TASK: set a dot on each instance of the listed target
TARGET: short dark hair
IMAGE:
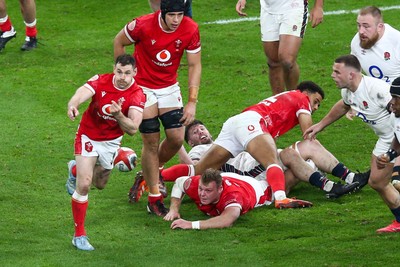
(349, 61)
(311, 87)
(190, 125)
(211, 175)
(125, 59)
(373, 11)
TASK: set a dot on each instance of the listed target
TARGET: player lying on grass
(224, 196)
(300, 163)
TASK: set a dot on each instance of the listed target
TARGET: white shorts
(103, 150)
(293, 22)
(168, 97)
(381, 147)
(238, 131)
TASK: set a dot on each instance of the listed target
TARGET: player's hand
(72, 112)
(115, 107)
(382, 161)
(311, 133)
(182, 224)
(316, 16)
(188, 113)
(241, 4)
(351, 114)
(172, 215)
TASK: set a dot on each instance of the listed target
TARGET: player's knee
(150, 125)
(288, 63)
(170, 119)
(273, 64)
(313, 145)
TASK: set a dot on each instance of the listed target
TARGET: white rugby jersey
(370, 101)
(383, 59)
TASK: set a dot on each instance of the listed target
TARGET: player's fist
(382, 161)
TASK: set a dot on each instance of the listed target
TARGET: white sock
(280, 195)
(328, 186)
(350, 177)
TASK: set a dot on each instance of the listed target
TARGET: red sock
(176, 171)
(73, 170)
(79, 214)
(6, 26)
(275, 178)
(153, 199)
(31, 31)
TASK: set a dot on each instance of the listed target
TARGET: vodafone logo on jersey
(163, 57)
(106, 109)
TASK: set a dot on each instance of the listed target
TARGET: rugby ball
(125, 160)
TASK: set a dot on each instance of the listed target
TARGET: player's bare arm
(177, 193)
(173, 209)
(81, 95)
(184, 157)
(317, 13)
(226, 219)
(120, 41)
(305, 121)
(241, 4)
(194, 72)
(336, 112)
(129, 124)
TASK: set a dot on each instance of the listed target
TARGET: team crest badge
(365, 104)
(88, 147)
(386, 56)
(294, 28)
(178, 44)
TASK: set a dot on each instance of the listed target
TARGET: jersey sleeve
(232, 199)
(304, 106)
(131, 30)
(92, 83)
(195, 43)
(179, 187)
(345, 96)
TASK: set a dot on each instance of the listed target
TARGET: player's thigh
(84, 169)
(289, 46)
(263, 149)
(175, 135)
(271, 50)
(379, 178)
(214, 158)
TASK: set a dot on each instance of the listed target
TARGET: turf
(37, 142)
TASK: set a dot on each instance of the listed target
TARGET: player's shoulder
(101, 78)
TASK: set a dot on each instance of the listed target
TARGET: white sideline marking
(328, 13)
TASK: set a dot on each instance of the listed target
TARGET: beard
(370, 42)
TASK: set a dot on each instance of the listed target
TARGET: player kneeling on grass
(224, 196)
(116, 108)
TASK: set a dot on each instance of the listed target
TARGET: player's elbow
(131, 131)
